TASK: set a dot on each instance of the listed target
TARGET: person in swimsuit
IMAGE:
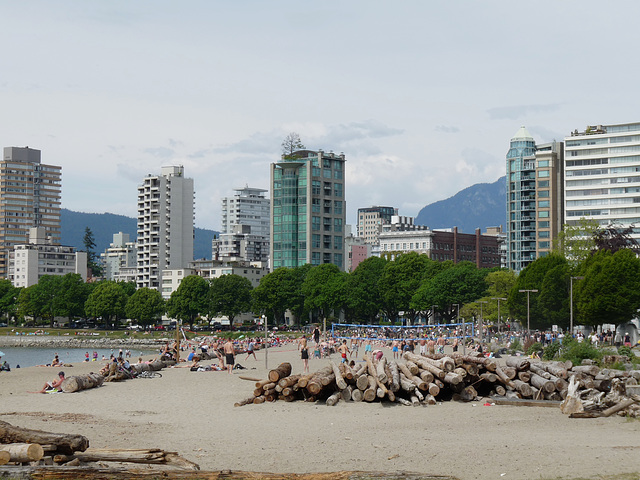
(229, 353)
(53, 385)
(304, 354)
(395, 349)
(251, 351)
(343, 350)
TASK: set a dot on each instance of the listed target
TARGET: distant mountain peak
(479, 206)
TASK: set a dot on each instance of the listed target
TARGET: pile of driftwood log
(111, 373)
(22, 447)
(420, 379)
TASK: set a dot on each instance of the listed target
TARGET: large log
(557, 369)
(317, 381)
(592, 370)
(523, 388)
(510, 372)
(340, 381)
(289, 381)
(356, 395)
(333, 399)
(524, 376)
(281, 371)
(395, 376)
(503, 377)
(425, 363)
(81, 382)
(148, 456)
(542, 383)
(452, 378)
(519, 363)
(5, 457)
(426, 376)
(413, 368)
(65, 443)
(23, 452)
(369, 394)
(468, 394)
(381, 374)
(362, 382)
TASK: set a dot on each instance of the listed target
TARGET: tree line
(604, 272)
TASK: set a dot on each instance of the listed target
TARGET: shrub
(533, 348)
(626, 351)
(515, 346)
(551, 351)
(577, 351)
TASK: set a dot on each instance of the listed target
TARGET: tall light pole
(464, 332)
(571, 303)
(481, 322)
(266, 343)
(498, 299)
(528, 292)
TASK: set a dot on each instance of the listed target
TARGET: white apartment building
(30, 198)
(165, 225)
(249, 206)
(119, 256)
(28, 262)
(210, 269)
(602, 175)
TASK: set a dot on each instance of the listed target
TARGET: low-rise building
(28, 262)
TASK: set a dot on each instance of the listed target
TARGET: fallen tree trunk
(281, 371)
(82, 382)
(65, 443)
(23, 452)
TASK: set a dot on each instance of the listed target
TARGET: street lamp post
(528, 292)
(498, 299)
(571, 303)
(481, 322)
(458, 322)
(266, 343)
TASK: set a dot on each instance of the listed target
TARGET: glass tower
(308, 210)
(521, 200)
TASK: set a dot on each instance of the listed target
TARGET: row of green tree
(109, 302)
(604, 273)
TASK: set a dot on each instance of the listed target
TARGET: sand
(192, 413)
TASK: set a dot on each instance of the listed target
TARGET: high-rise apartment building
(308, 209)
(165, 225)
(602, 182)
(29, 197)
(245, 227)
(120, 258)
(249, 206)
(370, 221)
(534, 198)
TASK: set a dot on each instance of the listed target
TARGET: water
(30, 357)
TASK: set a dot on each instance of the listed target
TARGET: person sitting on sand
(54, 385)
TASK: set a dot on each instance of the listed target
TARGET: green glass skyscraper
(308, 209)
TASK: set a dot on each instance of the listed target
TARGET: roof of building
(523, 133)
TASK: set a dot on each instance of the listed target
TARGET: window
(543, 194)
(337, 225)
(544, 234)
(543, 204)
(337, 242)
(543, 173)
(315, 241)
(543, 224)
(337, 190)
(315, 187)
(543, 163)
(315, 223)
(543, 184)
(337, 207)
(543, 244)
(544, 214)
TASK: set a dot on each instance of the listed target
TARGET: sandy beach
(192, 413)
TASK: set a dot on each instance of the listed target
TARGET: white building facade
(121, 255)
(28, 262)
(249, 206)
(602, 175)
(165, 225)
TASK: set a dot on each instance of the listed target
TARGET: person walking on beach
(316, 335)
(304, 354)
(343, 350)
(229, 353)
(251, 350)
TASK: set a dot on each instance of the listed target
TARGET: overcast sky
(421, 96)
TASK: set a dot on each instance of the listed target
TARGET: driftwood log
(23, 452)
(82, 382)
(64, 443)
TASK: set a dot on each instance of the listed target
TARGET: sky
(422, 97)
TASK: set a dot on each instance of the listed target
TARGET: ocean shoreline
(44, 341)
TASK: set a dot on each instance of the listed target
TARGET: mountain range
(479, 206)
(104, 225)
